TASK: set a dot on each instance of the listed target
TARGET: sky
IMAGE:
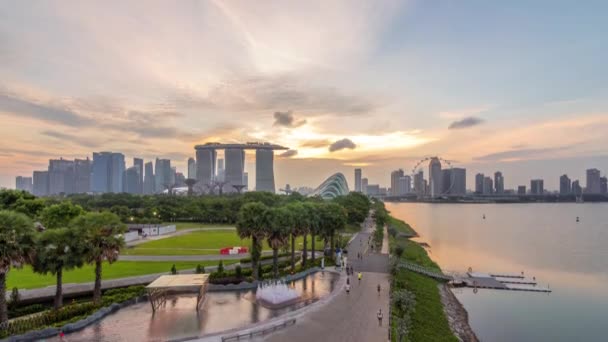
(516, 86)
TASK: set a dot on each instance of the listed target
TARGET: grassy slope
(429, 322)
(26, 279)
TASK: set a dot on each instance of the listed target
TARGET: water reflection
(179, 319)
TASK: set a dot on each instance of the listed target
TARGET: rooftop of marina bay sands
(246, 146)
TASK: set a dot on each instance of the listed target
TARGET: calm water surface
(543, 240)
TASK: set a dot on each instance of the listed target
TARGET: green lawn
(200, 243)
(401, 226)
(25, 278)
(189, 225)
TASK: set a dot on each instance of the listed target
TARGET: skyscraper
(454, 181)
(565, 185)
(488, 186)
(264, 173)
(395, 176)
(521, 190)
(24, 183)
(419, 186)
(205, 165)
(404, 185)
(576, 188)
(82, 176)
(358, 180)
(479, 179)
(246, 181)
(41, 183)
(139, 164)
(235, 168)
(162, 175)
(603, 185)
(593, 181)
(117, 171)
(220, 175)
(435, 177)
(107, 172)
(149, 180)
(364, 185)
(132, 180)
(191, 168)
(537, 187)
(61, 176)
(499, 182)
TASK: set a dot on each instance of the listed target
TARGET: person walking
(379, 317)
(347, 288)
(360, 275)
(378, 289)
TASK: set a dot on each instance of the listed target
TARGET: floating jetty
(478, 280)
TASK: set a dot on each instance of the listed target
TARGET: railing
(260, 332)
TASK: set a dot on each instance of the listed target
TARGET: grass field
(200, 243)
(25, 278)
(190, 225)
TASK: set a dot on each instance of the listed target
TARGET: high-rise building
(24, 183)
(180, 179)
(479, 180)
(235, 168)
(358, 180)
(404, 185)
(419, 186)
(246, 181)
(173, 175)
(364, 185)
(499, 182)
(488, 186)
(372, 189)
(576, 188)
(139, 164)
(435, 177)
(521, 190)
(107, 172)
(131, 179)
(395, 177)
(565, 185)
(264, 172)
(593, 181)
(454, 181)
(41, 183)
(205, 165)
(537, 187)
(220, 175)
(82, 176)
(149, 180)
(162, 175)
(191, 168)
(61, 176)
(603, 185)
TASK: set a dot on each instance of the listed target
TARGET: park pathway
(349, 317)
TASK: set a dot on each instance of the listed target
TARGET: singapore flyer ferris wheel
(435, 166)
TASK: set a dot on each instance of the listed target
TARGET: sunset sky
(520, 86)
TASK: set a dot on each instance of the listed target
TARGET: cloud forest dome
(332, 187)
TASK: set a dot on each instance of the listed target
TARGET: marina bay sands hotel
(234, 155)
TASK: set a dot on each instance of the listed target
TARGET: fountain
(276, 293)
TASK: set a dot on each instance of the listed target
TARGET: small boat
(577, 219)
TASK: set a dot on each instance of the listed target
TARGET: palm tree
(300, 228)
(250, 225)
(312, 210)
(58, 250)
(333, 218)
(102, 236)
(278, 230)
(16, 249)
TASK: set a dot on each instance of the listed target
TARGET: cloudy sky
(490, 85)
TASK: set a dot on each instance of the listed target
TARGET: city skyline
(516, 95)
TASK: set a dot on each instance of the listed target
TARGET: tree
(278, 231)
(314, 220)
(102, 236)
(300, 228)
(9, 197)
(357, 206)
(250, 225)
(17, 240)
(58, 250)
(333, 218)
(60, 215)
(30, 207)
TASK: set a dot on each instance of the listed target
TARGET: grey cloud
(15, 105)
(286, 119)
(316, 143)
(466, 123)
(84, 141)
(289, 154)
(520, 153)
(341, 145)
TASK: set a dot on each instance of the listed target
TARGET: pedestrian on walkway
(347, 288)
(378, 289)
(360, 275)
(379, 317)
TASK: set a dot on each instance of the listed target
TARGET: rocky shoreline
(457, 315)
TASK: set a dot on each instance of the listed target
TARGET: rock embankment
(457, 315)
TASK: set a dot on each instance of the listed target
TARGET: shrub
(399, 251)
(220, 267)
(200, 269)
(238, 271)
(173, 269)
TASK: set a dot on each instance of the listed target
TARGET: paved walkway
(349, 317)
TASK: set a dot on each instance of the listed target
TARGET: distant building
(131, 180)
(139, 164)
(191, 168)
(235, 168)
(358, 180)
(603, 185)
(82, 176)
(61, 176)
(499, 182)
(332, 187)
(593, 181)
(205, 165)
(264, 170)
(246, 181)
(521, 190)
(41, 183)
(419, 186)
(395, 176)
(373, 190)
(576, 188)
(24, 183)
(162, 175)
(364, 185)
(488, 186)
(173, 175)
(537, 187)
(479, 180)
(404, 185)
(454, 181)
(107, 172)
(435, 177)
(149, 179)
(565, 185)
(180, 179)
